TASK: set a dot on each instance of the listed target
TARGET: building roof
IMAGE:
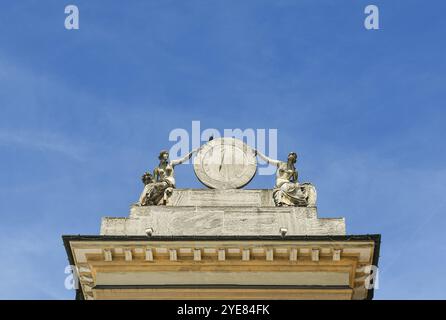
(376, 238)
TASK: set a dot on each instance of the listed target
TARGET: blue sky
(84, 113)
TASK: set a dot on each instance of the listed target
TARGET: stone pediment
(222, 212)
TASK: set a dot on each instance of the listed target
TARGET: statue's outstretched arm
(267, 159)
(181, 160)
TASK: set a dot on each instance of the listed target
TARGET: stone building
(224, 242)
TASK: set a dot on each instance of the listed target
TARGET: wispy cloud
(23, 276)
(43, 141)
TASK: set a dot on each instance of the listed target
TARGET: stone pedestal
(222, 212)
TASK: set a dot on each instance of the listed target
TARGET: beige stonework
(223, 244)
(222, 212)
(275, 269)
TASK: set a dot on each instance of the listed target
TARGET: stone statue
(288, 191)
(158, 188)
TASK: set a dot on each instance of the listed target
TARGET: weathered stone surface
(216, 197)
(222, 212)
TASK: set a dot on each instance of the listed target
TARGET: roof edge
(376, 238)
(362, 237)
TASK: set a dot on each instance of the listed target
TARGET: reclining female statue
(158, 188)
(288, 191)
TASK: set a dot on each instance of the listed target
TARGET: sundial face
(225, 163)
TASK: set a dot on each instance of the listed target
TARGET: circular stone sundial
(225, 163)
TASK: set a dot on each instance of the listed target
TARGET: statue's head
(292, 157)
(164, 155)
